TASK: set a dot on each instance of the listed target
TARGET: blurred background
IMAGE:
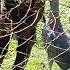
(38, 57)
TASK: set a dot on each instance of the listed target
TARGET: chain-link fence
(18, 20)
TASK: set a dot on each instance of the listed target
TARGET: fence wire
(8, 28)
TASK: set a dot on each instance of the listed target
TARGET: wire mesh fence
(18, 20)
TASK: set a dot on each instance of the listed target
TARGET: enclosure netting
(12, 28)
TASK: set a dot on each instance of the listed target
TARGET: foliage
(10, 56)
(38, 58)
